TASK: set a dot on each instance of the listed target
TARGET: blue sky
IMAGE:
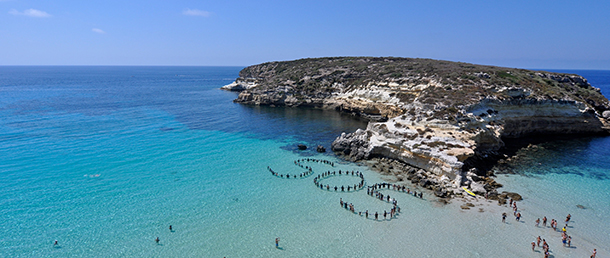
(526, 34)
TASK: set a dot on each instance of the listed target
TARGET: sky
(524, 34)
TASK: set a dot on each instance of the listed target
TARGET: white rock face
(440, 147)
(239, 86)
(441, 117)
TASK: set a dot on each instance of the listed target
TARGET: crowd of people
(566, 239)
(342, 188)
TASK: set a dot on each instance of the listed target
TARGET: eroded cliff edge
(444, 119)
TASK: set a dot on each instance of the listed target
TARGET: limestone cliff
(440, 116)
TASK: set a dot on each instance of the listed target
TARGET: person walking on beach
(544, 221)
(538, 241)
(504, 217)
(277, 242)
(533, 245)
(568, 218)
(594, 253)
(544, 244)
(537, 222)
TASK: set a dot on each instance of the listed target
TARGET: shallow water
(104, 159)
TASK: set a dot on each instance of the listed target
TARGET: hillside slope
(443, 118)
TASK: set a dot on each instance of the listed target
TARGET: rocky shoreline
(441, 187)
(440, 125)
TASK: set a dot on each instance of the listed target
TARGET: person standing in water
(157, 240)
(533, 245)
(277, 242)
(544, 221)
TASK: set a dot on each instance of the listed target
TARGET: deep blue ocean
(104, 159)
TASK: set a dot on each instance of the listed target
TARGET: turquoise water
(104, 159)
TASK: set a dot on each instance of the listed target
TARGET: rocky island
(438, 124)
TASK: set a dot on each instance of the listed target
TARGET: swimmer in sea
(157, 240)
(55, 243)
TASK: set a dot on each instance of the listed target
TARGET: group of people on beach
(327, 174)
(565, 238)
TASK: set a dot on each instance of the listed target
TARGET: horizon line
(156, 65)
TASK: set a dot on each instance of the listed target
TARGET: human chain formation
(323, 161)
(299, 162)
(342, 188)
(288, 176)
(386, 215)
(374, 192)
(371, 190)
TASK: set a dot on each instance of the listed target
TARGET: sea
(99, 161)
